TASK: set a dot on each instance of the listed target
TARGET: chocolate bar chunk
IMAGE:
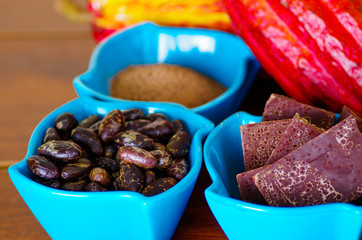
(259, 140)
(299, 132)
(282, 107)
(326, 169)
(248, 191)
(346, 112)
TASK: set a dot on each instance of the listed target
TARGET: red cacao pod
(313, 49)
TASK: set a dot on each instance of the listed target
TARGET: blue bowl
(114, 214)
(219, 55)
(243, 220)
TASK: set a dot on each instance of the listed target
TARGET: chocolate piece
(248, 190)
(346, 112)
(282, 107)
(259, 140)
(326, 169)
(298, 133)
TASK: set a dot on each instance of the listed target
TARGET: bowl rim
(238, 82)
(212, 194)
(205, 127)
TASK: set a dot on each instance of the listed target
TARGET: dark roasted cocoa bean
(178, 125)
(65, 122)
(134, 139)
(99, 175)
(163, 157)
(51, 134)
(54, 183)
(127, 152)
(179, 144)
(137, 156)
(160, 130)
(89, 121)
(159, 146)
(79, 169)
(128, 178)
(111, 124)
(159, 186)
(136, 124)
(95, 126)
(85, 155)
(107, 163)
(66, 136)
(179, 168)
(149, 177)
(95, 187)
(132, 114)
(88, 140)
(155, 116)
(64, 151)
(78, 185)
(118, 160)
(42, 167)
(110, 151)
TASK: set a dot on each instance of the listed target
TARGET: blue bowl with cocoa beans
(221, 56)
(239, 219)
(90, 212)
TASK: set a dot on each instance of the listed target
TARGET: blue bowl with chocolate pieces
(112, 170)
(293, 173)
(147, 62)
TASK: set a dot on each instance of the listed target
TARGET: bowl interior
(213, 53)
(219, 55)
(224, 156)
(223, 159)
(196, 125)
(123, 220)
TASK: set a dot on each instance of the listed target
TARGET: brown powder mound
(165, 83)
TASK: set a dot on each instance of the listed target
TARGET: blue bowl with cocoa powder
(222, 56)
(223, 156)
(113, 214)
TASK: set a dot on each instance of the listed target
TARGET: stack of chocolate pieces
(297, 157)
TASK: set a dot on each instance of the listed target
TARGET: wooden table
(40, 54)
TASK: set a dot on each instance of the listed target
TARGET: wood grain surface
(40, 54)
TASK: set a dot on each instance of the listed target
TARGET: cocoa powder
(165, 83)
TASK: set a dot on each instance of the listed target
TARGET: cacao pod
(313, 49)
